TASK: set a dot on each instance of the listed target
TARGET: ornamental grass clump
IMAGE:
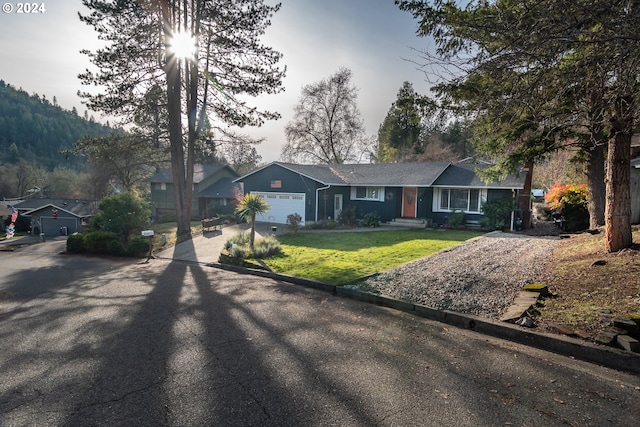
(267, 247)
(238, 247)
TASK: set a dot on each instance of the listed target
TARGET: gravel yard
(481, 276)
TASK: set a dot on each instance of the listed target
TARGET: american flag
(14, 214)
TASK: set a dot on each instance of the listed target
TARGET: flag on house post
(14, 215)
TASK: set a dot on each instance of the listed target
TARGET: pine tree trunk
(524, 198)
(596, 156)
(181, 191)
(618, 178)
(596, 185)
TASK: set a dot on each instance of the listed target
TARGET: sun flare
(183, 44)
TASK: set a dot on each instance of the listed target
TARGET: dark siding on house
(387, 210)
(425, 205)
(326, 204)
(162, 200)
(290, 181)
(498, 194)
(52, 226)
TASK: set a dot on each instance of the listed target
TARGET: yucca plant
(248, 207)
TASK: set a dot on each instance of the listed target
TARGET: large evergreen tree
(533, 72)
(399, 133)
(143, 54)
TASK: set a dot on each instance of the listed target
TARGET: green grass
(343, 257)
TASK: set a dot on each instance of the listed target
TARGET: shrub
(227, 257)
(23, 223)
(240, 239)
(348, 216)
(294, 220)
(325, 224)
(138, 246)
(238, 247)
(497, 214)
(456, 219)
(228, 218)
(221, 211)
(115, 248)
(75, 244)
(239, 251)
(266, 247)
(372, 219)
(543, 211)
(95, 242)
(571, 201)
(330, 224)
(124, 214)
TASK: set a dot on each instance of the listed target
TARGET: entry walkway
(206, 248)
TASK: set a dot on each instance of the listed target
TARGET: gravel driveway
(481, 276)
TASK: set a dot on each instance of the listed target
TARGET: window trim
(379, 198)
(439, 205)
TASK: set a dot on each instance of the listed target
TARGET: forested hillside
(36, 129)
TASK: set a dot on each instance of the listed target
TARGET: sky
(39, 52)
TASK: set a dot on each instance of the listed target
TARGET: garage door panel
(282, 205)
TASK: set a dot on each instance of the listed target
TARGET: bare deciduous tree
(326, 127)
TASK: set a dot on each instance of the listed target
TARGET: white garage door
(281, 205)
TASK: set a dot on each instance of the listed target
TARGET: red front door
(409, 202)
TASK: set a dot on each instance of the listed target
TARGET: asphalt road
(90, 341)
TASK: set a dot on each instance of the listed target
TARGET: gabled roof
(223, 189)
(464, 175)
(79, 208)
(378, 174)
(391, 174)
(200, 173)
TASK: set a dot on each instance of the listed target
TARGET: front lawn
(343, 257)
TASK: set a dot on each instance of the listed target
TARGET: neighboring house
(54, 217)
(426, 191)
(213, 191)
(5, 208)
(635, 191)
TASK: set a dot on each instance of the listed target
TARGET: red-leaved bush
(571, 201)
(561, 194)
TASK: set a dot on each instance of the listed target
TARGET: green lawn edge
(342, 258)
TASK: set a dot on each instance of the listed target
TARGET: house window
(163, 186)
(367, 193)
(464, 199)
(444, 199)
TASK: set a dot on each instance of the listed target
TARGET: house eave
(52, 206)
(289, 169)
(487, 187)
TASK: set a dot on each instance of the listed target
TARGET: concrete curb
(571, 347)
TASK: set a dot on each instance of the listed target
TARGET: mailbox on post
(149, 234)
